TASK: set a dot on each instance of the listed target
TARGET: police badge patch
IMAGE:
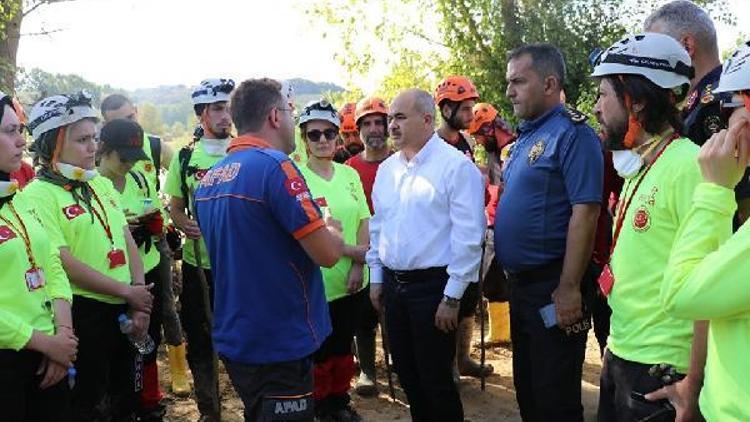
(708, 95)
(691, 100)
(536, 151)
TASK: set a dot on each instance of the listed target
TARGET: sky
(145, 43)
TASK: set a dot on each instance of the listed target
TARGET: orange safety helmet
(455, 88)
(483, 113)
(370, 105)
(346, 114)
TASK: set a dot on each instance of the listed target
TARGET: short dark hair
(114, 102)
(114, 132)
(252, 101)
(547, 60)
(661, 103)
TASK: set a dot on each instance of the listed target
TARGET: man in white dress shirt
(425, 246)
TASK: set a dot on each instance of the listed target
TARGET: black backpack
(155, 143)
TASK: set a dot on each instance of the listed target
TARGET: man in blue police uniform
(544, 236)
(266, 243)
(703, 116)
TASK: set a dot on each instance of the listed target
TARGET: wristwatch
(451, 301)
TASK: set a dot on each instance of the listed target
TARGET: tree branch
(35, 5)
(472, 27)
(425, 37)
(35, 34)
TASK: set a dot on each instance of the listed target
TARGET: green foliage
(35, 84)
(473, 38)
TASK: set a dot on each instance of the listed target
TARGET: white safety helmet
(736, 73)
(657, 57)
(212, 91)
(287, 91)
(320, 110)
(60, 110)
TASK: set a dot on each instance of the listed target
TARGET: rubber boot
(178, 370)
(466, 365)
(150, 408)
(499, 323)
(366, 382)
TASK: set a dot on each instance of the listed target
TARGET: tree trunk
(9, 49)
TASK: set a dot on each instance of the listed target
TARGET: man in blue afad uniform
(544, 235)
(267, 242)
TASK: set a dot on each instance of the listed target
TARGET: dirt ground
(496, 403)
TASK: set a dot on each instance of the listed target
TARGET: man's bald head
(412, 118)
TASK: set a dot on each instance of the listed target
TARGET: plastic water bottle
(71, 377)
(148, 205)
(144, 344)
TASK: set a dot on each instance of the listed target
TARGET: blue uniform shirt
(555, 163)
(269, 301)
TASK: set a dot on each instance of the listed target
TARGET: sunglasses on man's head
(314, 135)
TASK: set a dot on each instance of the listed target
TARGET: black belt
(543, 273)
(416, 276)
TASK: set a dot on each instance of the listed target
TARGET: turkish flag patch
(295, 186)
(73, 211)
(6, 234)
(321, 201)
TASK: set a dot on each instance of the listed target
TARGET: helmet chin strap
(451, 120)
(635, 129)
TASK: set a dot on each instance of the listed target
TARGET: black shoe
(155, 414)
(347, 414)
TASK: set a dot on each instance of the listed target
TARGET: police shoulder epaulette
(576, 116)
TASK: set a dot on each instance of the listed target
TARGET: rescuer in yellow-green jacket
(707, 275)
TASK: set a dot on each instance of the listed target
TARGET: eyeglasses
(14, 130)
(314, 135)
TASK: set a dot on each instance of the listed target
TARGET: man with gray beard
(371, 118)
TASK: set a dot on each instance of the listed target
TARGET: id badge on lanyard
(35, 279)
(116, 258)
(606, 280)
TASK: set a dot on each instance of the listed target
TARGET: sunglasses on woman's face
(314, 135)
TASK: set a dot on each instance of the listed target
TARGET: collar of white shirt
(423, 155)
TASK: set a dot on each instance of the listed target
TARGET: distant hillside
(175, 94)
(306, 87)
(164, 110)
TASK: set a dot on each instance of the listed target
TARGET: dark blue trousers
(422, 354)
